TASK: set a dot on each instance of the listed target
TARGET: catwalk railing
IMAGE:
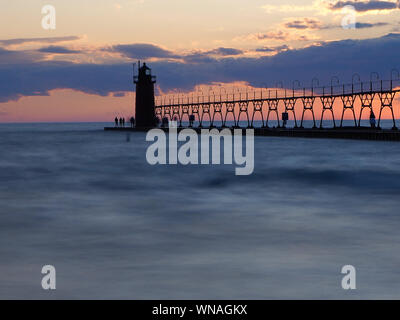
(214, 106)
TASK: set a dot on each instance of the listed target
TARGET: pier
(237, 110)
(275, 102)
(358, 133)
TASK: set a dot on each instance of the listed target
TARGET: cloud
(365, 25)
(338, 58)
(304, 23)
(225, 52)
(278, 36)
(210, 55)
(273, 49)
(198, 57)
(272, 35)
(364, 6)
(294, 30)
(149, 51)
(323, 7)
(358, 25)
(315, 24)
(58, 49)
(142, 51)
(39, 40)
(31, 79)
(10, 57)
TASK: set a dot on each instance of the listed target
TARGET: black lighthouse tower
(145, 114)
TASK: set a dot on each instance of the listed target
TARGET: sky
(81, 70)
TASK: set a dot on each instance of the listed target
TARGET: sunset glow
(82, 70)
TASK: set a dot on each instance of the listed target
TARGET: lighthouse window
(148, 72)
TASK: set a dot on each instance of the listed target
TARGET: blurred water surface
(87, 202)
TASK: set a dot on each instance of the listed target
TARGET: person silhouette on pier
(120, 122)
(132, 121)
(191, 120)
(372, 119)
(164, 122)
(116, 121)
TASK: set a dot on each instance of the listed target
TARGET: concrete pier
(356, 133)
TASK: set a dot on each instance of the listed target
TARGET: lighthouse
(145, 114)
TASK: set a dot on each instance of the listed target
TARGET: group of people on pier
(121, 122)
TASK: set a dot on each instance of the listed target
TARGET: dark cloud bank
(58, 49)
(340, 58)
(364, 6)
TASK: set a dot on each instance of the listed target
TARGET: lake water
(87, 202)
